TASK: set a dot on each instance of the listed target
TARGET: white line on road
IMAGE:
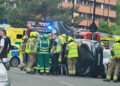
(66, 83)
(45, 78)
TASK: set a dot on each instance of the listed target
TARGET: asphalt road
(19, 78)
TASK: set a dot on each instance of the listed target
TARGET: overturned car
(90, 62)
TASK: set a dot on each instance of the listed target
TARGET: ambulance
(16, 37)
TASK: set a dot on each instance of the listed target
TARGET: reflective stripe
(44, 46)
(43, 52)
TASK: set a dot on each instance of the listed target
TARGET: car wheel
(14, 62)
(84, 70)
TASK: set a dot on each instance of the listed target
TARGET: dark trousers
(99, 66)
(25, 58)
(55, 64)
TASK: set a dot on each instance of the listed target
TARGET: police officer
(114, 65)
(31, 49)
(55, 53)
(72, 55)
(63, 42)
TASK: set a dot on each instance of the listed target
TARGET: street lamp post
(108, 11)
(93, 27)
(94, 11)
(73, 6)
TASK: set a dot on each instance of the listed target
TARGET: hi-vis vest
(72, 50)
(56, 48)
(62, 40)
(31, 45)
(116, 50)
(43, 46)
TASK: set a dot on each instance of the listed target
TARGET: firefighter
(72, 55)
(31, 50)
(114, 65)
(43, 57)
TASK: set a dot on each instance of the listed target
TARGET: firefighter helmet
(34, 34)
(117, 39)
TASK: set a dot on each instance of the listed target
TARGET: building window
(91, 3)
(78, 1)
(69, 0)
(82, 2)
(82, 15)
(102, 6)
(85, 16)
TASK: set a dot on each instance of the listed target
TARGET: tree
(117, 8)
(115, 29)
(32, 10)
(2, 9)
(104, 27)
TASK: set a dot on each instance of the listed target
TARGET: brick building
(104, 10)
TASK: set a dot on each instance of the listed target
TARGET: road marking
(66, 83)
(45, 78)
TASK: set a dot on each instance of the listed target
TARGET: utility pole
(73, 6)
(108, 11)
(94, 11)
(93, 27)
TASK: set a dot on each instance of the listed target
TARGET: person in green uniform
(43, 57)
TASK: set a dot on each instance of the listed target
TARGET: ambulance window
(19, 36)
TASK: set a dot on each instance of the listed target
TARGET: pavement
(20, 78)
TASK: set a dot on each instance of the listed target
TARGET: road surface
(19, 78)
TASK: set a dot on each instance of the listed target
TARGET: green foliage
(28, 10)
(32, 10)
(104, 27)
(63, 15)
(117, 8)
(115, 28)
(2, 9)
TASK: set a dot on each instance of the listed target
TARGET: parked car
(4, 81)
